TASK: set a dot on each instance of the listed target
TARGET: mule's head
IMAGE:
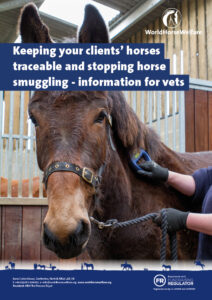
(72, 127)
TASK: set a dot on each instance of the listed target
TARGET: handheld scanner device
(136, 157)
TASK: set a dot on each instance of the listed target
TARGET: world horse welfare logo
(172, 18)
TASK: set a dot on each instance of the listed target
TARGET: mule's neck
(121, 186)
(116, 188)
(161, 154)
(119, 180)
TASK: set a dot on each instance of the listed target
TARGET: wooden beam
(23, 201)
(189, 120)
(13, 4)
(201, 121)
(202, 45)
(134, 16)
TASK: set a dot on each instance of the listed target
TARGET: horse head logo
(172, 17)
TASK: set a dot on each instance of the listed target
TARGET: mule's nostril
(72, 245)
(80, 227)
(48, 236)
(81, 233)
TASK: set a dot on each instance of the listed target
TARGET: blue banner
(87, 67)
(77, 284)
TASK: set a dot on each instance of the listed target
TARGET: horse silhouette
(198, 263)
(89, 266)
(166, 267)
(42, 267)
(126, 266)
(12, 266)
(171, 18)
(52, 267)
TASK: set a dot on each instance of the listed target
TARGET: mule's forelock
(94, 29)
(32, 29)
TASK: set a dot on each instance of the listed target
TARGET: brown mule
(72, 127)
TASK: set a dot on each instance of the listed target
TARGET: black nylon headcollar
(62, 166)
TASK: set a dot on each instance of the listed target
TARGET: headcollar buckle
(87, 175)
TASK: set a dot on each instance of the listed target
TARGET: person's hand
(176, 219)
(152, 170)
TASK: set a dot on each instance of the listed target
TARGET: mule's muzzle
(73, 244)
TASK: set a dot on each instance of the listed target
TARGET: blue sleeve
(203, 181)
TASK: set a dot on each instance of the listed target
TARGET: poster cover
(105, 149)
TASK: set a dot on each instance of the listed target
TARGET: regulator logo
(159, 280)
(172, 18)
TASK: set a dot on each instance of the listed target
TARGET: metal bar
(142, 106)
(134, 102)
(166, 117)
(158, 111)
(30, 170)
(1, 161)
(6, 159)
(35, 168)
(154, 108)
(26, 161)
(163, 118)
(200, 84)
(1, 132)
(21, 131)
(40, 184)
(182, 121)
(182, 109)
(40, 175)
(174, 101)
(1, 113)
(150, 107)
(16, 136)
(126, 95)
(23, 201)
(16, 159)
(10, 154)
(31, 160)
(181, 62)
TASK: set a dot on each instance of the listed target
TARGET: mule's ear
(32, 29)
(94, 29)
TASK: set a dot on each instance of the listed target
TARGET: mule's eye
(101, 117)
(34, 121)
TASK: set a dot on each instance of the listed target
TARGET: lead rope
(164, 226)
(114, 224)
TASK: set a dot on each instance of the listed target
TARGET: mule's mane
(133, 135)
(130, 130)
